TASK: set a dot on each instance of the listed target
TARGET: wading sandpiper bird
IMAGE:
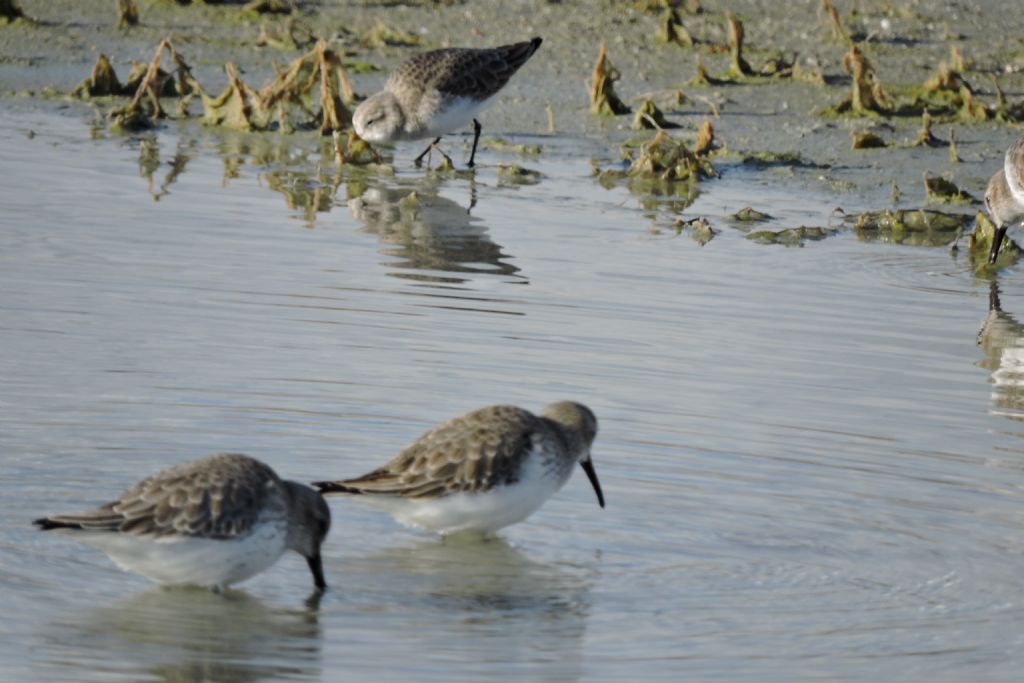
(481, 471)
(436, 92)
(211, 522)
(1004, 197)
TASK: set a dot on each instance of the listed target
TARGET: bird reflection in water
(469, 601)
(187, 634)
(1001, 337)
(432, 235)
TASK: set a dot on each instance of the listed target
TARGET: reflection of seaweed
(306, 192)
(149, 161)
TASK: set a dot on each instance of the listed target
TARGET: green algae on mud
(514, 174)
(791, 237)
(979, 244)
(925, 227)
(939, 189)
(749, 214)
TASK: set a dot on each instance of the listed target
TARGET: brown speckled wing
(218, 497)
(464, 72)
(473, 452)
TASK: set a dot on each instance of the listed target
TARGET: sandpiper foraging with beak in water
(1004, 196)
(436, 92)
(211, 522)
(481, 471)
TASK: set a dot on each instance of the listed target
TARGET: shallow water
(812, 457)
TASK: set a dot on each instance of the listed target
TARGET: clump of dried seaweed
(648, 116)
(383, 35)
(667, 159)
(867, 97)
(603, 99)
(925, 138)
(738, 65)
(946, 95)
(318, 72)
(909, 226)
(979, 244)
(750, 215)
(514, 174)
(127, 14)
(705, 143)
(662, 166)
(791, 237)
(671, 29)
(868, 140)
(145, 104)
(941, 190)
(740, 70)
(293, 35)
(102, 82)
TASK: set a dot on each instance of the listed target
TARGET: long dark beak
(997, 240)
(588, 467)
(317, 567)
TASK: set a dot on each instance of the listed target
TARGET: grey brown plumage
(487, 452)
(460, 71)
(469, 453)
(213, 521)
(220, 500)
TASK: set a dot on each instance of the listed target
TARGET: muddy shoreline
(44, 57)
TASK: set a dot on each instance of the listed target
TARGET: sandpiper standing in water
(1004, 197)
(481, 471)
(211, 522)
(436, 92)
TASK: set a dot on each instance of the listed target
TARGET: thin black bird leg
(476, 138)
(419, 159)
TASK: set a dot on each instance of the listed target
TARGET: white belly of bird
(188, 560)
(484, 512)
(456, 113)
